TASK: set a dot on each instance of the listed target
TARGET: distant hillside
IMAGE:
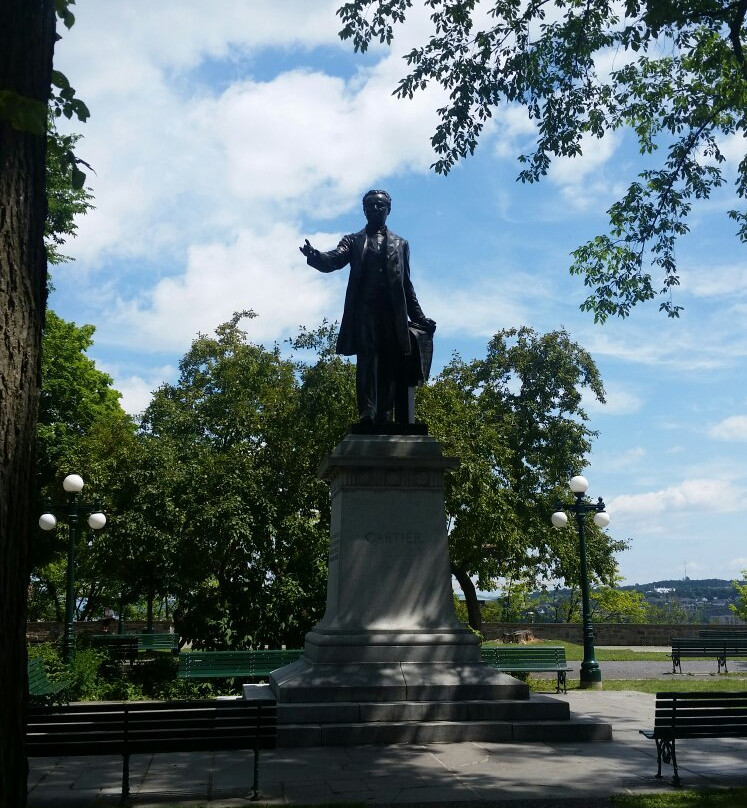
(710, 588)
(678, 601)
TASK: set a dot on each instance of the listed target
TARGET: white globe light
(601, 519)
(559, 519)
(47, 521)
(579, 484)
(73, 483)
(97, 520)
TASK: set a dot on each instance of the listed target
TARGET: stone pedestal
(389, 662)
(389, 632)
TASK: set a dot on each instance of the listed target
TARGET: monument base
(351, 723)
(389, 662)
(307, 682)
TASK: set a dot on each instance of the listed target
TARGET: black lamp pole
(591, 674)
(73, 485)
(68, 643)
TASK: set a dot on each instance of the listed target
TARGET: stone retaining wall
(49, 630)
(604, 633)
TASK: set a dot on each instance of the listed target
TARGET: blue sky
(223, 134)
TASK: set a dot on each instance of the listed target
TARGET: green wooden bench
(230, 664)
(695, 715)
(143, 727)
(158, 642)
(707, 647)
(120, 647)
(42, 690)
(529, 659)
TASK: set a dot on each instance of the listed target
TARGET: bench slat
(231, 664)
(41, 688)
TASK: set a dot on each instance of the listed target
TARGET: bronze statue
(392, 354)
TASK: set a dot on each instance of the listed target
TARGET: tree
(65, 200)
(247, 429)
(678, 84)
(27, 37)
(75, 394)
(515, 421)
(612, 605)
(78, 407)
(106, 455)
(740, 608)
(26, 44)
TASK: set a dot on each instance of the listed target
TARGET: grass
(720, 684)
(575, 653)
(712, 798)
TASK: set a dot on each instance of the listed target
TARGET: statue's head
(376, 207)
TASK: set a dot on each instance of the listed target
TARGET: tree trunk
(474, 615)
(26, 45)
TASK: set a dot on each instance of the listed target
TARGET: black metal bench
(119, 647)
(142, 727)
(723, 633)
(232, 664)
(695, 715)
(708, 648)
(528, 659)
(42, 690)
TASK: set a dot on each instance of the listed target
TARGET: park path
(460, 775)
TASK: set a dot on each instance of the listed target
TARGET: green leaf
(78, 178)
(63, 12)
(59, 80)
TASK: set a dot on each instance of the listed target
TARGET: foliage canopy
(515, 420)
(677, 81)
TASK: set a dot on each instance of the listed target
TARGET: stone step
(537, 708)
(396, 732)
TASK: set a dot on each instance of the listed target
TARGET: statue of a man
(379, 300)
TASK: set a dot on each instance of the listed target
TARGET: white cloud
(137, 389)
(178, 166)
(629, 459)
(180, 34)
(733, 428)
(514, 128)
(695, 494)
(594, 153)
(738, 565)
(727, 281)
(733, 148)
(479, 309)
(620, 401)
(199, 191)
(259, 271)
(575, 175)
(312, 140)
(691, 344)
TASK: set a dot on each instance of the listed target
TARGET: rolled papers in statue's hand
(421, 354)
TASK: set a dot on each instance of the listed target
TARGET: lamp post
(591, 675)
(73, 485)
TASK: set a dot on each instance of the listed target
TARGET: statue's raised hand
(307, 249)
